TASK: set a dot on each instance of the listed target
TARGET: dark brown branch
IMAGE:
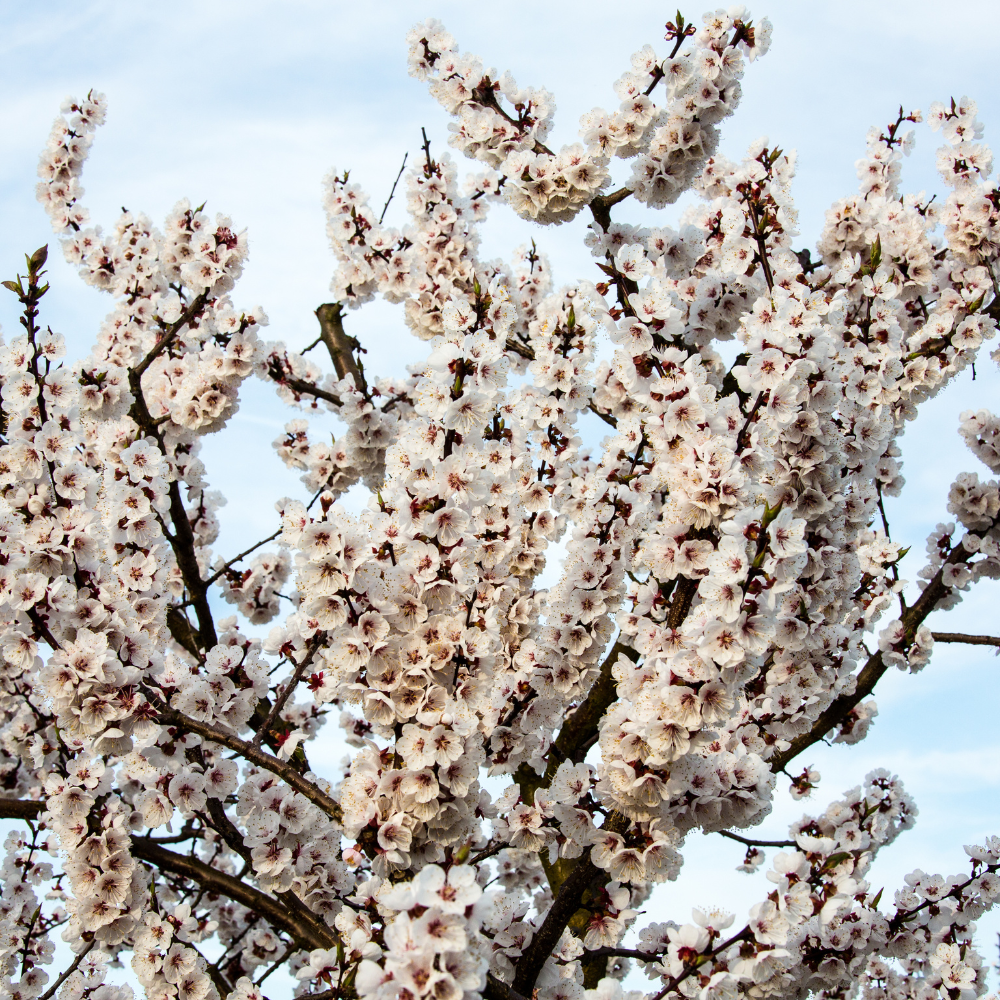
(743, 436)
(197, 305)
(304, 388)
(579, 731)
(495, 990)
(518, 348)
(339, 344)
(756, 843)
(309, 934)
(184, 547)
(491, 851)
(972, 640)
(182, 540)
(281, 699)
(601, 206)
(183, 633)
(226, 829)
(681, 604)
(74, 965)
(564, 907)
(761, 241)
(674, 981)
(484, 93)
(284, 770)
(43, 630)
(606, 417)
(956, 893)
(232, 562)
(20, 808)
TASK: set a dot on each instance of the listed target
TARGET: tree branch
(281, 699)
(523, 350)
(307, 929)
(339, 344)
(304, 388)
(579, 731)
(606, 417)
(284, 770)
(564, 907)
(20, 808)
(232, 562)
(308, 934)
(74, 965)
(495, 989)
(972, 640)
(388, 201)
(182, 540)
(873, 670)
(755, 843)
(187, 561)
(197, 305)
(601, 206)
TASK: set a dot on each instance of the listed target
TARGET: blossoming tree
(527, 763)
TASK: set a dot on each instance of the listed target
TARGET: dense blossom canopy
(527, 763)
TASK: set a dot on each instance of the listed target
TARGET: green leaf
(14, 286)
(770, 513)
(37, 260)
(835, 859)
(876, 257)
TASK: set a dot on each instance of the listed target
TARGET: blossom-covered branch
(726, 569)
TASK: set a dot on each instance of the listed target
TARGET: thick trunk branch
(339, 344)
(564, 908)
(20, 808)
(580, 730)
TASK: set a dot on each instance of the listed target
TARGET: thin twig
(606, 417)
(429, 164)
(281, 961)
(393, 191)
(756, 843)
(215, 576)
(489, 852)
(279, 702)
(675, 981)
(43, 629)
(51, 992)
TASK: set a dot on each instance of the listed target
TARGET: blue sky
(247, 105)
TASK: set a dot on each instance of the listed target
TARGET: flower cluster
(670, 143)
